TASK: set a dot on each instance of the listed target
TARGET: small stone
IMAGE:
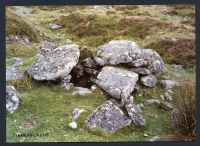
(141, 71)
(155, 138)
(147, 37)
(91, 71)
(154, 115)
(168, 84)
(162, 97)
(140, 105)
(135, 114)
(69, 42)
(72, 125)
(17, 61)
(139, 63)
(136, 88)
(76, 113)
(170, 91)
(93, 87)
(81, 91)
(166, 106)
(177, 67)
(90, 63)
(47, 47)
(149, 81)
(140, 95)
(145, 135)
(66, 86)
(54, 26)
(167, 96)
(127, 100)
(152, 101)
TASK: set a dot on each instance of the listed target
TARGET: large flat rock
(108, 117)
(57, 64)
(116, 52)
(118, 83)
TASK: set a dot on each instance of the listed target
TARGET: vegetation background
(46, 108)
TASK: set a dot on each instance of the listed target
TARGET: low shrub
(184, 117)
(181, 51)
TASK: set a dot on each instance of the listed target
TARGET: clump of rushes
(184, 116)
(16, 25)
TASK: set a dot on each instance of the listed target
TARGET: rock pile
(116, 69)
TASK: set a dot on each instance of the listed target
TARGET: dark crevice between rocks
(83, 81)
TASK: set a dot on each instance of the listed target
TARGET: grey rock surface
(127, 100)
(127, 52)
(155, 62)
(91, 71)
(168, 96)
(166, 106)
(12, 100)
(152, 101)
(176, 66)
(54, 26)
(76, 113)
(168, 84)
(149, 81)
(90, 63)
(81, 91)
(141, 71)
(65, 82)
(73, 125)
(139, 63)
(47, 47)
(108, 117)
(13, 74)
(135, 114)
(16, 61)
(118, 83)
(116, 52)
(56, 65)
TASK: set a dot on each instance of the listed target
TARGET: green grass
(16, 25)
(20, 50)
(54, 102)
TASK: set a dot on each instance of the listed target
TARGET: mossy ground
(51, 107)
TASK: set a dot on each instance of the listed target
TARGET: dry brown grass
(184, 116)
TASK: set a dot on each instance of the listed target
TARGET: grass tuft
(184, 118)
